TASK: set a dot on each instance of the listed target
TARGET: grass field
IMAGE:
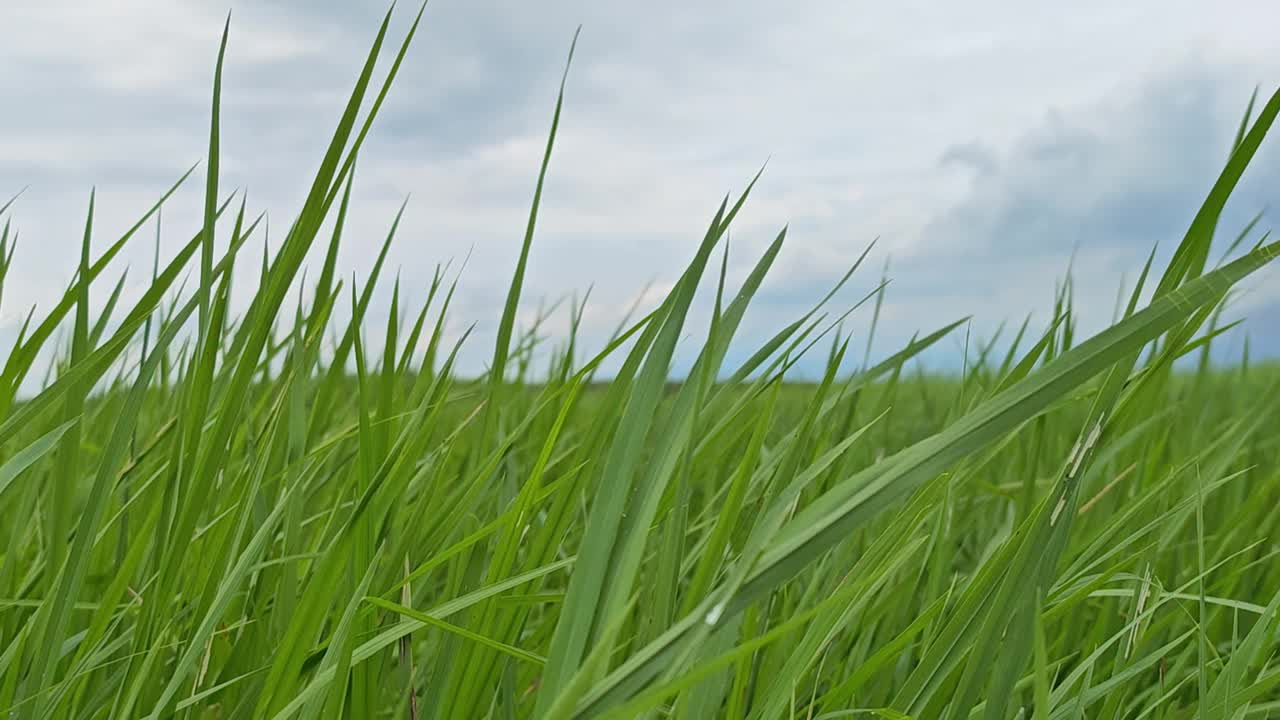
(267, 514)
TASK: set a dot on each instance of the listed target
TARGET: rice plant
(215, 512)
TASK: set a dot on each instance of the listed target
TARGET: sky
(984, 147)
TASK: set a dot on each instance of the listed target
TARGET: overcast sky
(982, 142)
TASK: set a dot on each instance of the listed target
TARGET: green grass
(268, 513)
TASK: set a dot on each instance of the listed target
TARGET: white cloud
(874, 116)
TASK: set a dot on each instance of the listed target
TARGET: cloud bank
(986, 148)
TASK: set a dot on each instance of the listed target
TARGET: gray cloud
(926, 126)
(1097, 187)
(1129, 171)
(974, 156)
